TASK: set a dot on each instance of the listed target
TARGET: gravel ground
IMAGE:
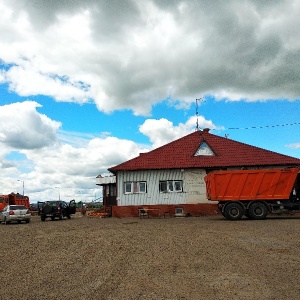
(172, 258)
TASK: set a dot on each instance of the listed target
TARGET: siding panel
(153, 196)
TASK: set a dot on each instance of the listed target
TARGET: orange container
(14, 199)
(239, 185)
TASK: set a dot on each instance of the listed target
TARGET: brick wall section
(190, 209)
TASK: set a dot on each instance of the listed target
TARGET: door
(72, 207)
(110, 194)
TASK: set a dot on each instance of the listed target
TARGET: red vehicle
(14, 199)
(254, 193)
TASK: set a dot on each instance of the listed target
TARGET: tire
(19, 222)
(68, 216)
(47, 209)
(52, 218)
(27, 221)
(258, 211)
(6, 222)
(233, 211)
(43, 219)
(61, 216)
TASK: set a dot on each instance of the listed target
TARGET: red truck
(254, 193)
(13, 199)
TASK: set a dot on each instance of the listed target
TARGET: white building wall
(193, 189)
(194, 186)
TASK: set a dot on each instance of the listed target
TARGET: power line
(266, 126)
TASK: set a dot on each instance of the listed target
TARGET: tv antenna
(197, 122)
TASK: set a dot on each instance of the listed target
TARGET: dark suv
(56, 209)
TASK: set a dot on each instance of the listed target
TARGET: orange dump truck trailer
(13, 199)
(254, 193)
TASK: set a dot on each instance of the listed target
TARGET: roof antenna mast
(197, 123)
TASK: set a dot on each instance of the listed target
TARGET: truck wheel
(61, 216)
(258, 211)
(43, 219)
(233, 211)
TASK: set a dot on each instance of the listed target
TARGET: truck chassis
(257, 210)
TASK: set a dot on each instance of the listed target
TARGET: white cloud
(34, 150)
(22, 127)
(28, 82)
(163, 131)
(293, 146)
(74, 169)
(131, 55)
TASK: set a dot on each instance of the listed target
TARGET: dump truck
(14, 199)
(254, 193)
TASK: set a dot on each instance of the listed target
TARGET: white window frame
(136, 187)
(170, 186)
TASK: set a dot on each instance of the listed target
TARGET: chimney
(206, 130)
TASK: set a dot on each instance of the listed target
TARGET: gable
(204, 150)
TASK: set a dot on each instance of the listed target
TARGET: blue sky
(85, 86)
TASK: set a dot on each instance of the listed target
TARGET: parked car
(15, 213)
(56, 209)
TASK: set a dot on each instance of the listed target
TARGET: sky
(86, 85)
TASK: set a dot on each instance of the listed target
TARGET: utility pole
(197, 123)
(23, 185)
(57, 187)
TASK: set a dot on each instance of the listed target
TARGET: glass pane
(163, 186)
(178, 187)
(170, 186)
(16, 207)
(127, 187)
(142, 187)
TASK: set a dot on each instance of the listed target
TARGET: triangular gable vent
(204, 150)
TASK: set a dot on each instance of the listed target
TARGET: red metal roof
(228, 153)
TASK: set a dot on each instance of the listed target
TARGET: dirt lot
(174, 258)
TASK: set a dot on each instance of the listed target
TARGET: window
(178, 211)
(128, 187)
(133, 187)
(142, 187)
(204, 150)
(16, 207)
(170, 186)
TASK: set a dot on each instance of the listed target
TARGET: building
(170, 179)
